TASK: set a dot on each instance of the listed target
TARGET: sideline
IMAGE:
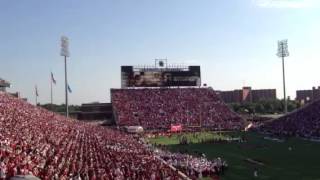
(254, 161)
(181, 174)
(317, 140)
(153, 149)
(274, 139)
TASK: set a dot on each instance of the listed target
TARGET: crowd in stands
(38, 142)
(159, 108)
(304, 122)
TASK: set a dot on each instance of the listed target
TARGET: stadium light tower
(283, 52)
(65, 53)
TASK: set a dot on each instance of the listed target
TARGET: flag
(36, 88)
(176, 128)
(69, 89)
(52, 79)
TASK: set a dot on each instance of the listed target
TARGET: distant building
(247, 94)
(264, 94)
(231, 96)
(16, 94)
(306, 96)
(4, 85)
(95, 111)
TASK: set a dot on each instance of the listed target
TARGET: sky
(234, 42)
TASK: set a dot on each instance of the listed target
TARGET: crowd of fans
(304, 122)
(159, 108)
(34, 141)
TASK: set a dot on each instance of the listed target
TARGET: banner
(176, 128)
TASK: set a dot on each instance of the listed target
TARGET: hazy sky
(234, 41)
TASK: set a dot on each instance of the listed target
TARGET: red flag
(176, 128)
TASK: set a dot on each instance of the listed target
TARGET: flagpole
(36, 89)
(51, 92)
(66, 85)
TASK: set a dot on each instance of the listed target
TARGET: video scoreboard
(160, 76)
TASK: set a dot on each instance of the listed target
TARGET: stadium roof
(4, 83)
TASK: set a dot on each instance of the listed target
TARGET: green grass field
(301, 163)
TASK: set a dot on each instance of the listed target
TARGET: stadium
(166, 125)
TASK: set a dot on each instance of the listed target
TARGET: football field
(293, 159)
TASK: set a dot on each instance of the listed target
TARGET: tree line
(264, 107)
(60, 108)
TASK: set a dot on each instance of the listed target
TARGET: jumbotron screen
(160, 77)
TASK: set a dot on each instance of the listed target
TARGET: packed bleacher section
(159, 108)
(304, 122)
(49, 146)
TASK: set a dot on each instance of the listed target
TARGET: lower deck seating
(158, 108)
